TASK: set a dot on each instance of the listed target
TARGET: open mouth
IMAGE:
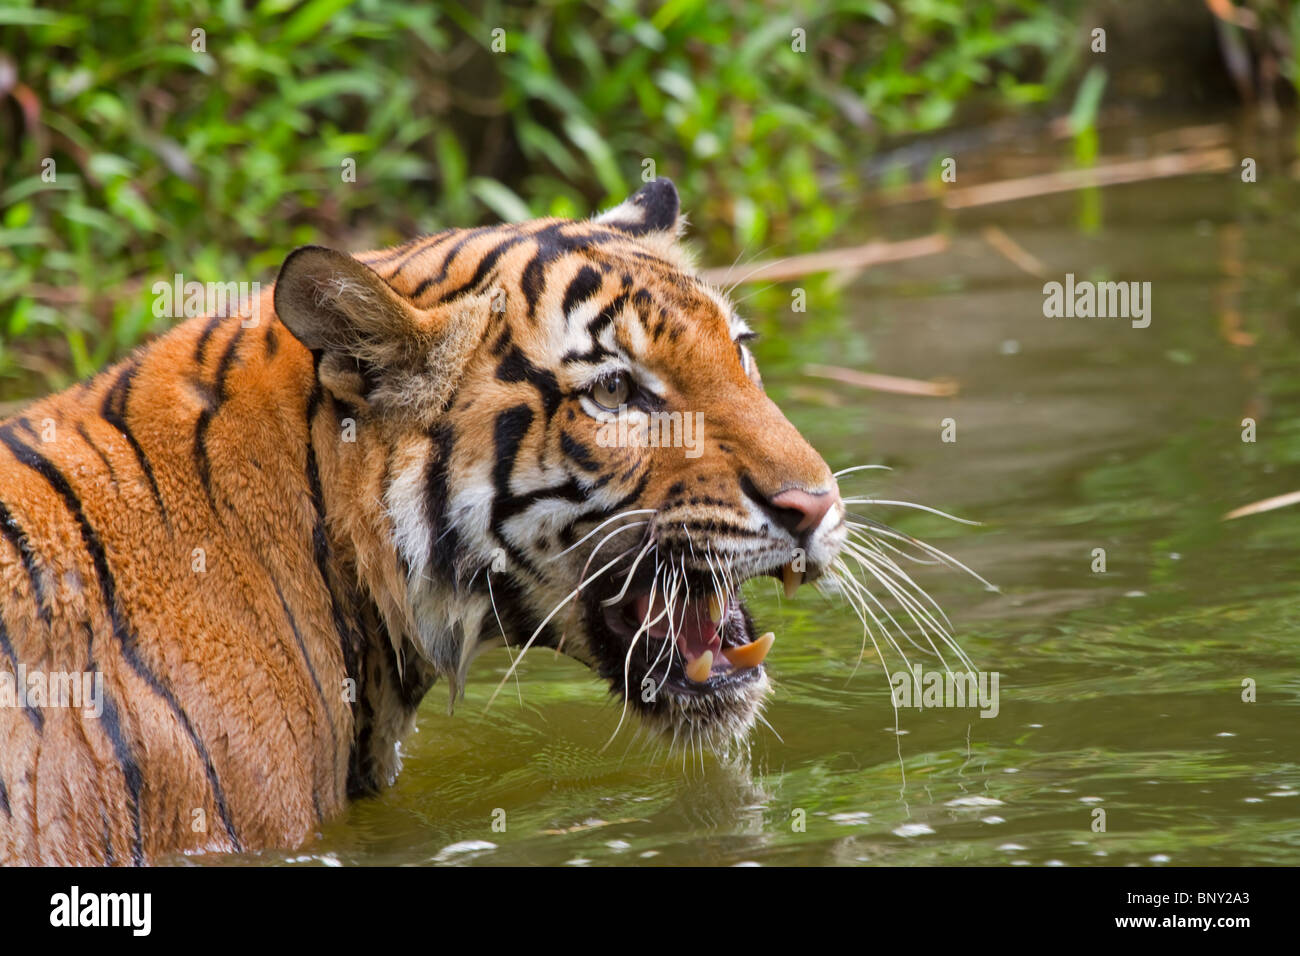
(687, 638)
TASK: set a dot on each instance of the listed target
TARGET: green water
(1119, 691)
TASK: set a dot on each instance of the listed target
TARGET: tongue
(696, 635)
(697, 638)
(691, 624)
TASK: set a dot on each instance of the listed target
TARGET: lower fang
(752, 654)
(699, 669)
(791, 579)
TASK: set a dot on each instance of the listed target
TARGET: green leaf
(310, 19)
(1087, 101)
(500, 199)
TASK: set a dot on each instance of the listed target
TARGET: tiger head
(562, 440)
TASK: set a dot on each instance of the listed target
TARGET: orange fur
(246, 700)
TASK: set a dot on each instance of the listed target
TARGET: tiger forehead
(662, 301)
(518, 258)
(582, 274)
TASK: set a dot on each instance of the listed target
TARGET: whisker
(876, 541)
(622, 514)
(872, 547)
(845, 471)
(646, 624)
(864, 595)
(844, 574)
(907, 602)
(501, 627)
(529, 643)
(573, 610)
(929, 549)
(627, 580)
(912, 504)
(758, 715)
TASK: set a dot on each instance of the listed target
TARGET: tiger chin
(267, 535)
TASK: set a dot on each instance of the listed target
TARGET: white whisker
(845, 471)
(529, 643)
(622, 514)
(912, 504)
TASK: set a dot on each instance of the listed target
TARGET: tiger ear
(373, 344)
(652, 214)
(334, 304)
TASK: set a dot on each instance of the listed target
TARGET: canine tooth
(791, 578)
(752, 654)
(699, 669)
(715, 608)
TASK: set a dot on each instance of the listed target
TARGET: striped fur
(271, 540)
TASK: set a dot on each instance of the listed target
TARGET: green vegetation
(212, 154)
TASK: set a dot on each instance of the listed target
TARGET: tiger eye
(612, 391)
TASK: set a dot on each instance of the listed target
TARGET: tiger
(260, 541)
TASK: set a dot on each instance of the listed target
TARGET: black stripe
(108, 465)
(113, 410)
(201, 346)
(579, 452)
(499, 346)
(4, 799)
(110, 858)
(508, 433)
(361, 777)
(594, 328)
(227, 359)
(566, 533)
(484, 267)
(201, 463)
(311, 670)
(444, 542)
(18, 538)
(532, 280)
(420, 289)
(7, 649)
(433, 242)
(582, 287)
(596, 514)
(131, 773)
(553, 242)
(570, 490)
(127, 640)
(516, 367)
(642, 304)
(380, 256)
(201, 460)
(349, 634)
(511, 427)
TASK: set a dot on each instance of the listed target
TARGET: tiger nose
(800, 511)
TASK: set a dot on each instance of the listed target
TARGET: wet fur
(230, 723)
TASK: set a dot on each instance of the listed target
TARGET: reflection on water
(1120, 691)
